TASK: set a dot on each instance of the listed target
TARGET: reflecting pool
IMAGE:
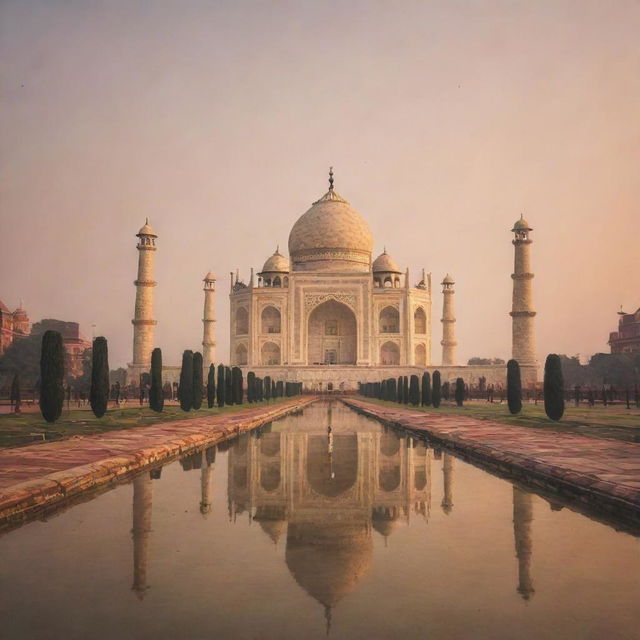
(301, 531)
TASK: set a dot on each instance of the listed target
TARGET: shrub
(99, 392)
(436, 392)
(553, 387)
(156, 396)
(514, 387)
(198, 383)
(186, 381)
(221, 386)
(459, 392)
(211, 386)
(51, 376)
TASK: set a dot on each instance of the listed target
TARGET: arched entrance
(332, 334)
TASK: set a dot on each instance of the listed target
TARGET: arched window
(241, 354)
(285, 281)
(421, 355)
(270, 320)
(389, 320)
(242, 322)
(390, 353)
(277, 282)
(387, 282)
(270, 353)
(420, 320)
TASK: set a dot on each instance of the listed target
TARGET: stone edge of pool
(26, 499)
(611, 498)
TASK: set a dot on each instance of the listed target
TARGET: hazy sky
(217, 120)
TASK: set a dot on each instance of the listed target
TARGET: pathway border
(35, 478)
(603, 475)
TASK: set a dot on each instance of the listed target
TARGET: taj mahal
(330, 315)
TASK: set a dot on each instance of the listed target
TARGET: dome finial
(278, 248)
(330, 178)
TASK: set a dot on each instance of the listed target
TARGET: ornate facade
(331, 304)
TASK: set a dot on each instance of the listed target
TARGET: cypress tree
(198, 383)
(445, 390)
(267, 387)
(426, 389)
(414, 391)
(260, 384)
(280, 389)
(383, 390)
(228, 386)
(186, 381)
(405, 389)
(392, 389)
(514, 387)
(15, 393)
(553, 387)
(156, 396)
(399, 392)
(222, 386)
(251, 385)
(273, 389)
(436, 393)
(51, 376)
(99, 393)
(211, 386)
(459, 392)
(237, 384)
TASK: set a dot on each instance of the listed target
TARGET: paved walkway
(40, 475)
(602, 473)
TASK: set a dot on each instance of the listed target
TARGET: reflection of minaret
(522, 518)
(448, 469)
(142, 501)
(208, 458)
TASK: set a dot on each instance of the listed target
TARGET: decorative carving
(312, 300)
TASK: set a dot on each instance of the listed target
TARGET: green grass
(610, 422)
(25, 428)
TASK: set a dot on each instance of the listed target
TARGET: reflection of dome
(272, 520)
(384, 527)
(277, 263)
(331, 236)
(385, 263)
(327, 559)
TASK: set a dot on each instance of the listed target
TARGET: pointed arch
(420, 321)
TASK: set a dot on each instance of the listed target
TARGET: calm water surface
(294, 533)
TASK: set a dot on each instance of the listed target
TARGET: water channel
(295, 532)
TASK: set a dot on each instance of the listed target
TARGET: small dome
(146, 230)
(521, 225)
(210, 276)
(277, 263)
(385, 263)
(448, 280)
(3, 307)
(20, 312)
(331, 236)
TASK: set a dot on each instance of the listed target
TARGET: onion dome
(146, 230)
(331, 236)
(277, 263)
(521, 225)
(384, 263)
(448, 280)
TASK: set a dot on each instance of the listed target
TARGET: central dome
(330, 236)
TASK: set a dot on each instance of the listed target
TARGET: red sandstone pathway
(40, 474)
(592, 468)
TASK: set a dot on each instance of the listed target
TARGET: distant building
(74, 344)
(627, 338)
(13, 324)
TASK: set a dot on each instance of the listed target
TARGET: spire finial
(384, 249)
(146, 220)
(330, 178)
(277, 248)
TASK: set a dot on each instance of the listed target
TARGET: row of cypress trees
(407, 391)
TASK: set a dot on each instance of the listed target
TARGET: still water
(292, 532)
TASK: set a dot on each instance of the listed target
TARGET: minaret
(522, 312)
(522, 519)
(142, 501)
(209, 322)
(448, 342)
(143, 322)
(448, 469)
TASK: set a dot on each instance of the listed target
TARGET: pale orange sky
(444, 121)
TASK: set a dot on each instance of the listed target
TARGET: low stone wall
(84, 464)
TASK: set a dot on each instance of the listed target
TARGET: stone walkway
(604, 474)
(39, 475)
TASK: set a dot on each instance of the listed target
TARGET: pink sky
(444, 121)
